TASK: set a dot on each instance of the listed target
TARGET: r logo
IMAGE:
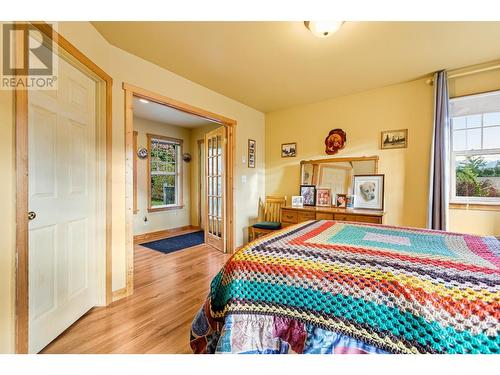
(37, 56)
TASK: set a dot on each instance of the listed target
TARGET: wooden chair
(272, 216)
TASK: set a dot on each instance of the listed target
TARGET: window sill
(474, 206)
(167, 208)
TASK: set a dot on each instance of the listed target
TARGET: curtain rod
(430, 81)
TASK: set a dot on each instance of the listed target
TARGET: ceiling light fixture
(323, 29)
(143, 101)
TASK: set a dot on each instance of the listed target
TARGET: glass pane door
(215, 188)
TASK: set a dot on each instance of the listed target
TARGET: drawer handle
(289, 216)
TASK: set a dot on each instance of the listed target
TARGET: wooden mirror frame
(342, 160)
(374, 158)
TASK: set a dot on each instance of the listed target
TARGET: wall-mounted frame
(251, 153)
(289, 150)
(390, 139)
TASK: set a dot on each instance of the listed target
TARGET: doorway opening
(174, 183)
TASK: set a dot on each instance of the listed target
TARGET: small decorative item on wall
(288, 150)
(251, 153)
(394, 139)
(186, 157)
(335, 141)
(308, 193)
(297, 201)
(369, 191)
(323, 197)
(341, 201)
(142, 153)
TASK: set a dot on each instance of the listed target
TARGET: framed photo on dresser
(308, 193)
(369, 191)
(323, 197)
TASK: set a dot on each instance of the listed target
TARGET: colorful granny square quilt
(338, 287)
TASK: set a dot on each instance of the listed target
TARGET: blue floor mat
(171, 244)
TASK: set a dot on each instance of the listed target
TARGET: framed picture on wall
(394, 139)
(308, 193)
(369, 191)
(288, 150)
(323, 197)
(251, 153)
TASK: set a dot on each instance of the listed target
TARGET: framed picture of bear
(369, 191)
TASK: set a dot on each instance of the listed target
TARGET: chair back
(272, 208)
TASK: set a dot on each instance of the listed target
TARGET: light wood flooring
(169, 289)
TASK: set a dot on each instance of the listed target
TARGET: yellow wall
(362, 116)
(475, 221)
(485, 223)
(123, 67)
(169, 219)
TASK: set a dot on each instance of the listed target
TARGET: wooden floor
(169, 289)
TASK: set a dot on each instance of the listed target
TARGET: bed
(339, 287)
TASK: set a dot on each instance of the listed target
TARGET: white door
(62, 158)
(215, 154)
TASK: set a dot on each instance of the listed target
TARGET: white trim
(177, 173)
(475, 152)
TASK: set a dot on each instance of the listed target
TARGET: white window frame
(453, 155)
(177, 173)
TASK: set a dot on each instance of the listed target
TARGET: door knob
(31, 215)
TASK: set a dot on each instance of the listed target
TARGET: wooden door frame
(199, 144)
(229, 124)
(21, 150)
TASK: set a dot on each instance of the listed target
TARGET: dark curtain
(439, 163)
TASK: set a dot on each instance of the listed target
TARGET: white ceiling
(275, 65)
(162, 113)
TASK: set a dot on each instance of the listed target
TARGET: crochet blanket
(370, 287)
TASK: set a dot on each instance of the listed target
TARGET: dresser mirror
(336, 173)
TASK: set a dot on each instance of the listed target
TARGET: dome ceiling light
(323, 29)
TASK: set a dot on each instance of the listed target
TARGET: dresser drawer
(369, 219)
(324, 216)
(289, 216)
(306, 215)
(343, 217)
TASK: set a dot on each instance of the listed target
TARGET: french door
(215, 191)
(62, 190)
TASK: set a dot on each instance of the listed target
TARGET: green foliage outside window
(164, 157)
(468, 178)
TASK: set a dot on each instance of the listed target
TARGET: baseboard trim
(152, 236)
(119, 294)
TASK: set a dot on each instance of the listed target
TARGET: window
(165, 172)
(475, 146)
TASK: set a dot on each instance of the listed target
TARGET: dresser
(294, 215)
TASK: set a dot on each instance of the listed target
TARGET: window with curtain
(165, 183)
(475, 145)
